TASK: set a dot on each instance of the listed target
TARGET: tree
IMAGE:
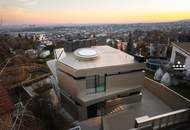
(130, 44)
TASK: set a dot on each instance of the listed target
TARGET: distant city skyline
(92, 11)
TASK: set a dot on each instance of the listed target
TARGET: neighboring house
(45, 54)
(181, 53)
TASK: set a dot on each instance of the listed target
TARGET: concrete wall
(109, 70)
(76, 111)
(83, 115)
(100, 70)
(70, 107)
(112, 104)
(122, 81)
(171, 98)
(128, 80)
(72, 86)
(187, 62)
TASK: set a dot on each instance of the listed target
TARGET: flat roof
(185, 46)
(109, 60)
(108, 56)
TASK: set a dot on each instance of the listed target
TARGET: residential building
(181, 54)
(159, 109)
(105, 89)
(92, 86)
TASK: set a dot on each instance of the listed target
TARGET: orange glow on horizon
(135, 13)
(112, 17)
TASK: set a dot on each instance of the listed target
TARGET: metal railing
(165, 120)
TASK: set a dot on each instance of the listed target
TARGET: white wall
(72, 86)
(77, 88)
(187, 61)
(124, 81)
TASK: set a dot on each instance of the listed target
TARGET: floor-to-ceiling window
(100, 83)
(90, 84)
(95, 84)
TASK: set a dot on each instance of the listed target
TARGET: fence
(164, 120)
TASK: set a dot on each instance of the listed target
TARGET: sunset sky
(92, 11)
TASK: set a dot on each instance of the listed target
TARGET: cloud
(29, 2)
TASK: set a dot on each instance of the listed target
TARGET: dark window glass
(180, 57)
(95, 84)
(100, 83)
(90, 84)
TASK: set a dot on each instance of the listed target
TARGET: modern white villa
(105, 89)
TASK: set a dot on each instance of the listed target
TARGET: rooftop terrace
(156, 100)
(150, 106)
(125, 119)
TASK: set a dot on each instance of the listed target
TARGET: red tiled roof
(6, 104)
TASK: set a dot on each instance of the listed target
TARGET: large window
(90, 84)
(95, 84)
(100, 83)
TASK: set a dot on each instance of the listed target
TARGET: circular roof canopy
(86, 54)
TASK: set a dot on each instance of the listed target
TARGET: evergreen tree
(130, 44)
